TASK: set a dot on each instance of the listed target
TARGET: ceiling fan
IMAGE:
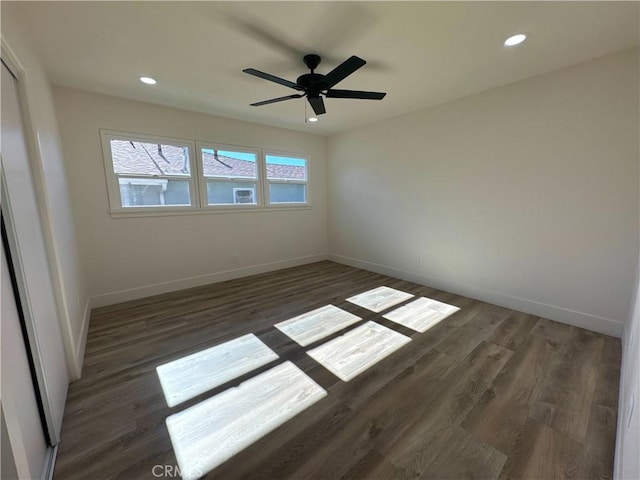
(314, 85)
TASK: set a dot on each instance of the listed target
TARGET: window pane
(228, 164)
(231, 193)
(136, 192)
(286, 168)
(287, 193)
(139, 158)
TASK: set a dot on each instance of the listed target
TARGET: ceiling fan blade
(272, 78)
(317, 104)
(279, 99)
(343, 70)
(263, 34)
(355, 94)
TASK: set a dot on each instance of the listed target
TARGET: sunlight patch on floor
(357, 350)
(421, 314)
(317, 324)
(380, 298)
(211, 432)
(192, 375)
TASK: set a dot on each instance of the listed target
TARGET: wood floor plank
(421, 358)
(279, 454)
(480, 324)
(606, 394)
(489, 318)
(541, 452)
(513, 330)
(387, 411)
(599, 444)
(563, 399)
(560, 332)
(358, 350)
(209, 433)
(457, 454)
(374, 465)
(502, 411)
(451, 403)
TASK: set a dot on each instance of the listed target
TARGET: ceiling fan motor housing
(313, 83)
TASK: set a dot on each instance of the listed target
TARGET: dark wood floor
(487, 393)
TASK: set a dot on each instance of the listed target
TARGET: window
(230, 175)
(286, 178)
(148, 172)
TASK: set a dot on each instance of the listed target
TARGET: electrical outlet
(235, 258)
(419, 262)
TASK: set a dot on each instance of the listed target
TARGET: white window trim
(268, 181)
(204, 200)
(113, 179)
(197, 180)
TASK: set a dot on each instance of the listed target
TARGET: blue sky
(298, 162)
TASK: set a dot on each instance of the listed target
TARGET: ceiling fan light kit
(315, 85)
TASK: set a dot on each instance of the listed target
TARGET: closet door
(27, 252)
(25, 431)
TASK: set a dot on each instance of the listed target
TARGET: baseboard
(184, 283)
(559, 314)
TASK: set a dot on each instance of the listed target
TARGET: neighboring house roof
(144, 159)
(139, 158)
(292, 172)
(227, 167)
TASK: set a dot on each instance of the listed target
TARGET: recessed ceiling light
(148, 80)
(514, 40)
(313, 119)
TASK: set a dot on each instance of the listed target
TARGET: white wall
(524, 196)
(125, 258)
(50, 182)
(627, 461)
(627, 464)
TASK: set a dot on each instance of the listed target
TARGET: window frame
(202, 179)
(113, 178)
(268, 182)
(197, 181)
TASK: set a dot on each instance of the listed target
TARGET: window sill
(136, 213)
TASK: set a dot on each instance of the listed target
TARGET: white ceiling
(421, 53)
